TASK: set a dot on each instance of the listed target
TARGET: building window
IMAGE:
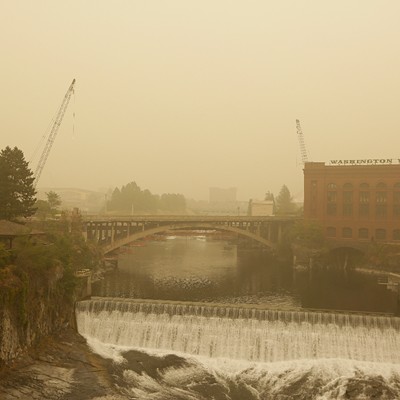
(331, 231)
(363, 233)
(381, 206)
(331, 206)
(331, 209)
(347, 233)
(396, 200)
(381, 197)
(314, 198)
(381, 210)
(380, 234)
(347, 203)
(347, 199)
(396, 234)
(332, 197)
(363, 206)
(381, 200)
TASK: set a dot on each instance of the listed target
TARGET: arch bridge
(113, 233)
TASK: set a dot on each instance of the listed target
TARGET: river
(200, 268)
(195, 317)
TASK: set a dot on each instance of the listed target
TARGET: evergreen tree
(42, 208)
(54, 201)
(284, 204)
(269, 196)
(17, 193)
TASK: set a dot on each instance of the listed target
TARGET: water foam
(241, 334)
(247, 353)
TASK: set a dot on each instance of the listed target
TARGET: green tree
(5, 256)
(42, 208)
(54, 201)
(308, 234)
(284, 204)
(269, 196)
(17, 193)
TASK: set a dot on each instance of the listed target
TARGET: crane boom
(303, 149)
(53, 132)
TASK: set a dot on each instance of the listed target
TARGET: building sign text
(368, 161)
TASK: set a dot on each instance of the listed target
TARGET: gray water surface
(190, 268)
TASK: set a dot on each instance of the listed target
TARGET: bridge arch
(346, 255)
(108, 248)
(351, 246)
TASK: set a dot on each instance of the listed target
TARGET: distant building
(222, 195)
(261, 208)
(354, 200)
(85, 200)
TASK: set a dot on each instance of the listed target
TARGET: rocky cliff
(32, 304)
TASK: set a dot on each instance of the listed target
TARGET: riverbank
(375, 271)
(61, 366)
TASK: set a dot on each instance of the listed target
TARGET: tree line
(283, 202)
(131, 199)
(18, 194)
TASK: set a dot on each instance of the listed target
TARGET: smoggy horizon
(181, 96)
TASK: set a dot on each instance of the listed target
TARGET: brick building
(354, 201)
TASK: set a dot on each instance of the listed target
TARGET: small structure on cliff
(10, 230)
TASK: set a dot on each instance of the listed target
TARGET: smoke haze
(180, 96)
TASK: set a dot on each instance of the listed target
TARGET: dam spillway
(237, 333)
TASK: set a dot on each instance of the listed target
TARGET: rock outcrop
(33, 304)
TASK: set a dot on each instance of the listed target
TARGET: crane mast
(53, 132)
(303, 149)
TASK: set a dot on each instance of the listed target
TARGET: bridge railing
(185, 218)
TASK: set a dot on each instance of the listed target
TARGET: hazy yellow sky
(181, 95)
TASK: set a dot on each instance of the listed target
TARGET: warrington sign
(368, 161)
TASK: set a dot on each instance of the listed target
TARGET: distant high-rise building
(222, 195)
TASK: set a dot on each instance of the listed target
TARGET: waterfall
(239, 333)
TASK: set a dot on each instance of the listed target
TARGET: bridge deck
(114, 232)
(187, 218)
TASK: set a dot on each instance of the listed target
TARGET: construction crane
(303, 149)
(53, 132)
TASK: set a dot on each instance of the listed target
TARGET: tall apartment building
(354, 200)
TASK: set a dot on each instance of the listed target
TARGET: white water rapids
(254, 335)
(325, 350)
